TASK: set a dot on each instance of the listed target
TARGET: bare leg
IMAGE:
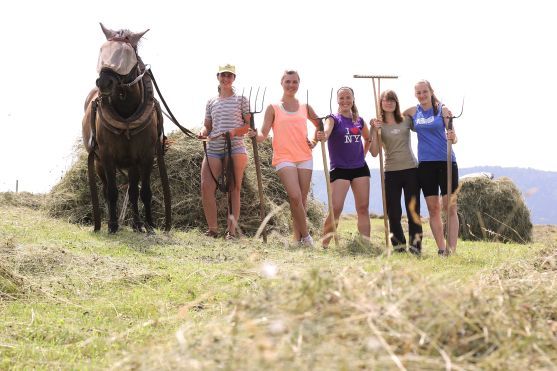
(289, 178)
(304, 178)
(208, 189)
(339, 189)
(435, 222)
(454, 223)
(360, 188)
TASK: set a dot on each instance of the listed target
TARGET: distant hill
(539, 189)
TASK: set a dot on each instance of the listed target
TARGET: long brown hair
(434, 101)
(391, 95)
(353, 109)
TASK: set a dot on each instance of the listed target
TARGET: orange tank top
(290, 135)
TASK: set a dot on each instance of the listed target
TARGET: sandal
(230, 237)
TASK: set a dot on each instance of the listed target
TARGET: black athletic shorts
(432, 176)
(349, 174)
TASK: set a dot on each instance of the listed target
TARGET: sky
(497, 56)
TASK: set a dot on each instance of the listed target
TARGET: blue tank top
(345, 143)
(432, 141)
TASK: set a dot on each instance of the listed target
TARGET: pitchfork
(450, 172)
(376, 93)
(256, 158)
(325, 163)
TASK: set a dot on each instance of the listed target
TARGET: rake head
(375, 77)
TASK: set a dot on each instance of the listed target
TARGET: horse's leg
(146, 194)
(111, 192)
(91, 174)
(133, 192)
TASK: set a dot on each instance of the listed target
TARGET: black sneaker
(399, 249)
(416, 251)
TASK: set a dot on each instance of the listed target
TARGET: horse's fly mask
(117, 56)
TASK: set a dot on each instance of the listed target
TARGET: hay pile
(32, 271)
(493, 210)
(22, 199)
(70, 199)
(394, 318)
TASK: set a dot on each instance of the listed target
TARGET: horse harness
(136, 123)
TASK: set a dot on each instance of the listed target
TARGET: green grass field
(74, 299)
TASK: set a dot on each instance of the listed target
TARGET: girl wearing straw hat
(225, 115)
(401, 173)
(292, 156)
(347, 140)
(428, 119)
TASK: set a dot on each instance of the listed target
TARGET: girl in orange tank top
(291, 150)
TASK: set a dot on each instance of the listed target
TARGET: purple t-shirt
(345, 143)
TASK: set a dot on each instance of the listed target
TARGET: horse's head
(117, 64)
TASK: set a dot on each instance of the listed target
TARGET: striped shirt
(225, 114)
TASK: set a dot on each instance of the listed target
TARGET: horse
(123, 130)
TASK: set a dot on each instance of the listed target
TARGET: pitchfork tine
(262, 100)
(461, 110)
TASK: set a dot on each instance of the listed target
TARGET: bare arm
(312, 117)
(207, 127)
(327, 130)
(242, 130)
(374, 141)
(365, 136)
(410, 112)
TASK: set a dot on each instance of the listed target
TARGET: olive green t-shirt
(398, 148)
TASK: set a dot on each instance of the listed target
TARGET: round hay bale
(70, 198)
(493, 210)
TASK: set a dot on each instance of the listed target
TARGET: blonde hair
(353, 109)
(290, 72)
(434, 101)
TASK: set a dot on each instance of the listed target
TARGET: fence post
(16, 185)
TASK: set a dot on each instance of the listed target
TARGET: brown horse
(123, 129)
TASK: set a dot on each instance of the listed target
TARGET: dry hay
(354, 319)
(30, 271)
(493, 210)
(22, 199)
(70, 198)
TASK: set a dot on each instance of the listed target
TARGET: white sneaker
(306, 241)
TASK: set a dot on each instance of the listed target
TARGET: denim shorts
(223, 154)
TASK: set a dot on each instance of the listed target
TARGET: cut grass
(71, 298)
